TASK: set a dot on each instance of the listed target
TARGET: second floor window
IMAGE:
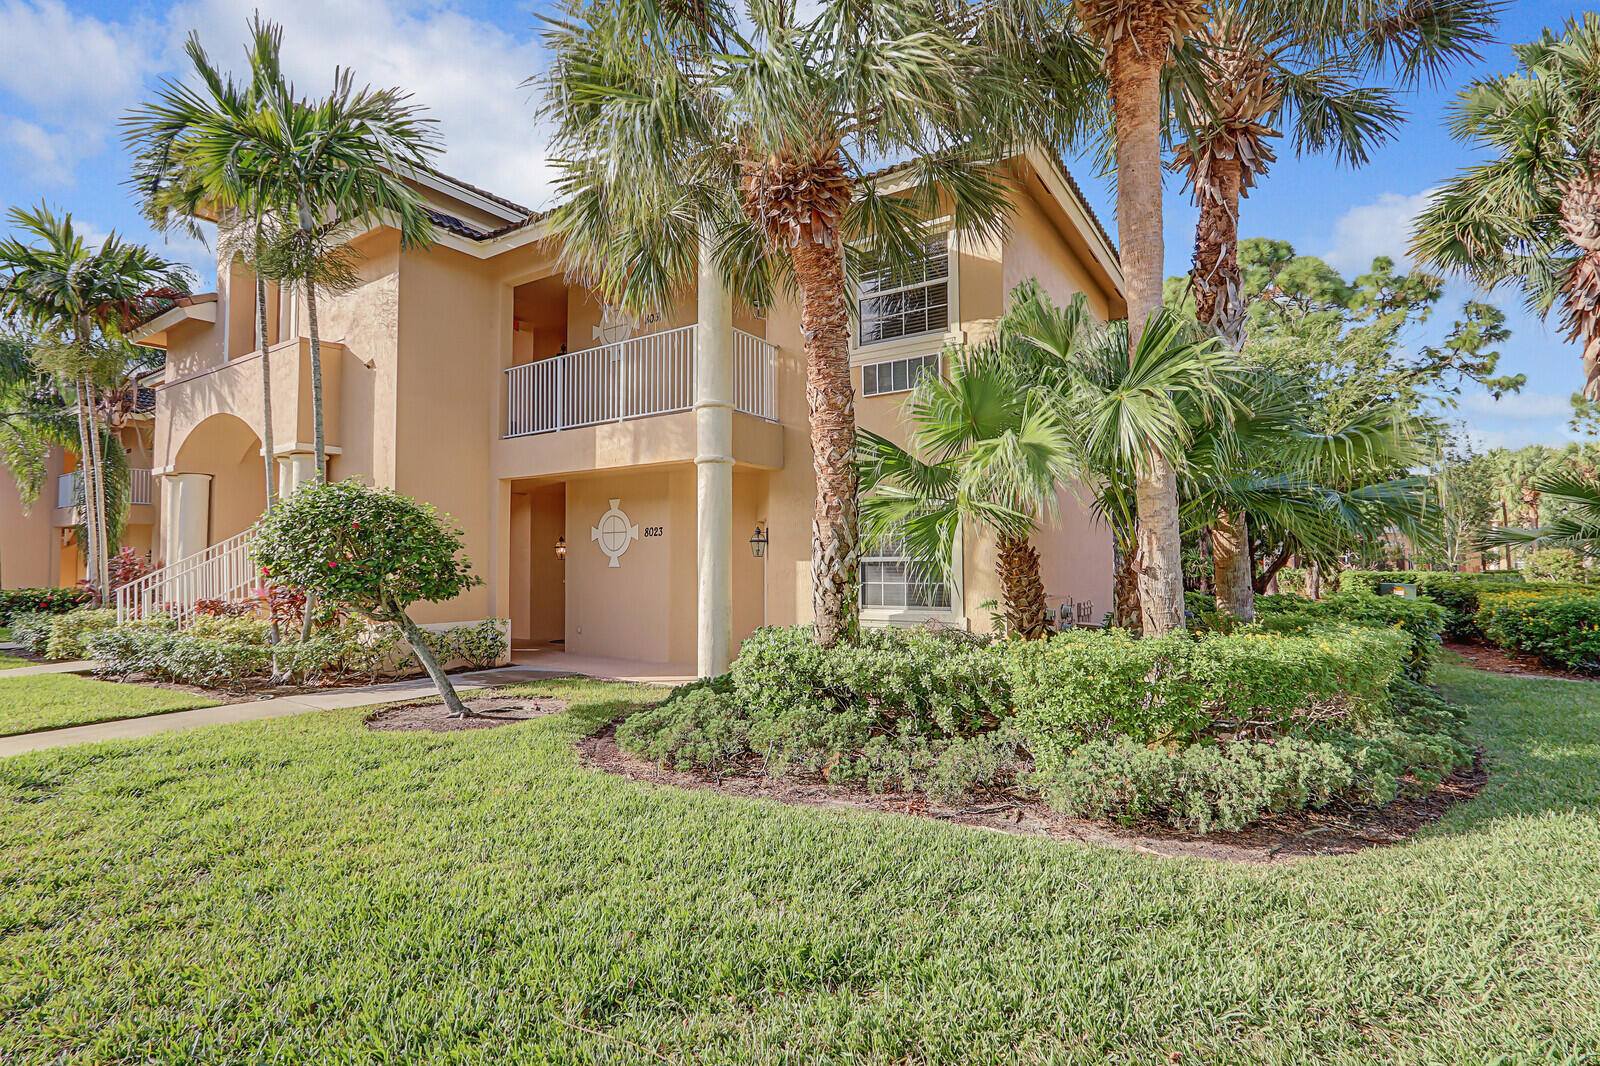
(903, 300)
(896, 375)
(892, 579)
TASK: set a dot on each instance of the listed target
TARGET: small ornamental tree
(371, 550)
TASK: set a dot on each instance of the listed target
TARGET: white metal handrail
(638, 378)
(223, 571)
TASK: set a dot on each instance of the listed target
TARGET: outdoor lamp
(561, 548)
(758, 543)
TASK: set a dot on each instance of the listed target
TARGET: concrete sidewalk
(66, 666)
(254, 710)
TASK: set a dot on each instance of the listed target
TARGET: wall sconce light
(561, 548)
(758, 543)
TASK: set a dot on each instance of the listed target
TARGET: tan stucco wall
(29, 545)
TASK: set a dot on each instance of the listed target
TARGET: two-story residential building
(579, 450)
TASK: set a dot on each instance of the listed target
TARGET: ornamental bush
(39, 601)
(1081, 686)
(371, 550)
(68, 630)
(1560, 626)
(1421, 620)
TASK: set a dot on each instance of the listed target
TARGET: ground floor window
(891, 578)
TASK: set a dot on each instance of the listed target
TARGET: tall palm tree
(986, 449)
(742, 131)
(1530, 213)
(325, 169)
(188, 159)
(1253, 71)
(81, 297)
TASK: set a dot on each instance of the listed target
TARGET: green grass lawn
(7, 662)
(306, 891)
(50, 701)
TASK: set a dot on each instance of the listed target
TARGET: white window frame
(932, 363)
(920, 343)
(953, 615)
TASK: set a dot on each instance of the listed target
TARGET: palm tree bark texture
(798, 200)
(1021, 586)
(1137, 36)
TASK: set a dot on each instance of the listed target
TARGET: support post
(713, 420)
(186, 515)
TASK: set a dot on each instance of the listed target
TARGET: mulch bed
(1338, 830)
(434, 716)
(1499, 661)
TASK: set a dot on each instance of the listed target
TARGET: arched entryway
(217, 486)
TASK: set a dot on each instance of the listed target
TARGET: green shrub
(1561, 627)
(1555, 564)
(1227, 786)
(238, 629)
(1083, 686)
(1422, 621)
(125, 650)
(31, 629)
(40, 601)
(68, 630)
(1456, 593)
(481, 645)
(337, 653)
(696, 727)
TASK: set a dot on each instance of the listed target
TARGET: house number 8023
(655, 531)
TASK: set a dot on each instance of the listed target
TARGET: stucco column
(185, 515)
(294, 469)
(713, 459)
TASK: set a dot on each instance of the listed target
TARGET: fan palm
(81, 297)
(1577, 527)
(742, 134)
(1530, 213)
(986, 450)
(1131, 410)
(307, 173)
(1250, 72)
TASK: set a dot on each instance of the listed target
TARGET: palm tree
(1577, 527)
(32, 421)
(188, 158)
(1132, 410)
(986, 450)
(1528, 214)
(310, 174)
(742, 133)
(1252, 70)
(81, 297)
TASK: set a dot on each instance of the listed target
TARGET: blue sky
(68, 70)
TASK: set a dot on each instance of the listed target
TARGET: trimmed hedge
(1209, 733)
(1422, 621)
(1561, 625)
(1083, 685)
(59, 636)
(39, 601)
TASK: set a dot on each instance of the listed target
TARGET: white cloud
(1514, 420)
(1382, 227)
(1538, 406)
(65, 64)
(48, 156)
(467, 72)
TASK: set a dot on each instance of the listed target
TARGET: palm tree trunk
(319, 444)
(1021, 587)
(835, 530)
(266, 388)
(1124, 591)
(1216, 276)
(90, 534)
(102, 560)
(1230, 552)
(1133, 65)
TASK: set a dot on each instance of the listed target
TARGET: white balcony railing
(138, 487)
(638, 378)
(221, 572)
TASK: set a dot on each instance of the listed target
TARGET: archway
(233, 491)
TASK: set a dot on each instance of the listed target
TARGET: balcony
(638, 378)
(67, 489)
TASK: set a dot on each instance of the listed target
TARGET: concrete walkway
(66, 666)
(558, 660)
(253, 710)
